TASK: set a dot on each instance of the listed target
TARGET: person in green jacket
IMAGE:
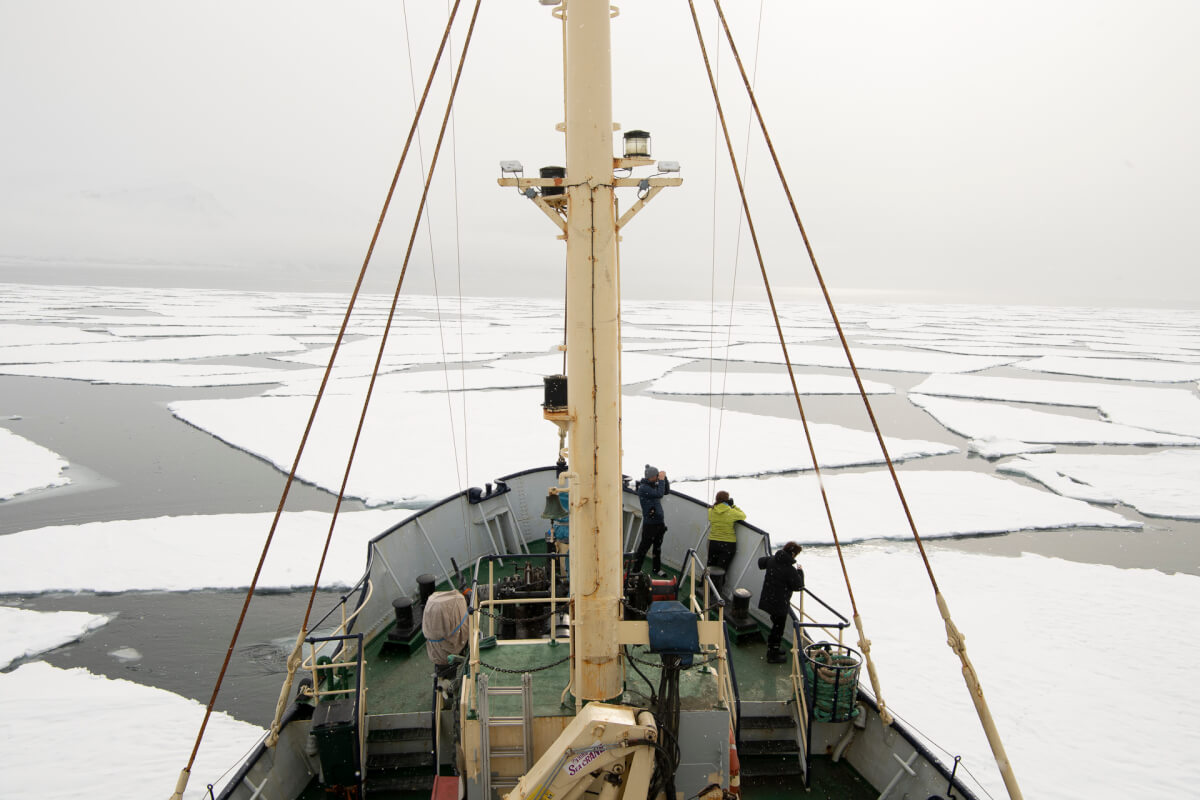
(722, 541)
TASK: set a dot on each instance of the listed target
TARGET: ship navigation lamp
(553, 172)
(637, 144)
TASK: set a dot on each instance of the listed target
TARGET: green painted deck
(398, 682)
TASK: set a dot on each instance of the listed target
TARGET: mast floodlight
(553, 173)
(511, 166)
(668, 166)
(637, 144)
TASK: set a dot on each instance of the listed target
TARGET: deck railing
(335, 674)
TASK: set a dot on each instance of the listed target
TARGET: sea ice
(755, 383)
(11, 335)
(403, 346)
(635, 367)
(1165, 410)
(1124, 369)
(167, 349)
(864, 358)
(984, 420)
(25, 466)
(865, 505)
(449, 378)
(1162, 484)
(1045, 638)
(993, 449)
(148, 373)
(25, 633)
(412, 451)
(179, 554)
(124, 739)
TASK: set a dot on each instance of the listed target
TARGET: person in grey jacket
(782, 579)
(650, 492)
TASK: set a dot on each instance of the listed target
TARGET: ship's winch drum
(831, 677)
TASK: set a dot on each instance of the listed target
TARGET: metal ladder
(487, 722)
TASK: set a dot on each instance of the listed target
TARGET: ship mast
(593, 351)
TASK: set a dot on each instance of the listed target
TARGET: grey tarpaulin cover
(444, 625)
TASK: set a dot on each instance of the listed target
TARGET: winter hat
(651, 473)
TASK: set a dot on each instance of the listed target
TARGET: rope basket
(831, 677)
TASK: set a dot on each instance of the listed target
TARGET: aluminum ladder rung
(487, 722)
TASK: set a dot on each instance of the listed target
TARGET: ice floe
(1046, 638)
(987, 421)
(753, 383)
(865, 506)
(82, 736)
(1122, 369)
(1163, 484)
(25, 633)
(450, 378)
(864, 358)
(484, 344)
(11, 335)
(412, 445)
(635, 367)
(166, 349)
(1156, 409)
(177, 554)
(993, 449)
(140, 373)
(26, 466)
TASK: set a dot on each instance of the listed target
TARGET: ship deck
(400, 682)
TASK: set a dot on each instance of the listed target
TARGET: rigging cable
(460, 466)
(737, 250)
(437, 300)
(864, 643)
(185, 773)
(395, 298)
(953, 637)
(710, 465)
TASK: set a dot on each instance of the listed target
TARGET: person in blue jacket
(782, 579)
(650, 492)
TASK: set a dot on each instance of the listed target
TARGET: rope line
(185, 773)
(395, 300)
(864, 643)
(954, 638)
(825, 294)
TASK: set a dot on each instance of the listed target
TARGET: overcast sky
(1029, 152)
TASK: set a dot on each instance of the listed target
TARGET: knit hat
(651, 473)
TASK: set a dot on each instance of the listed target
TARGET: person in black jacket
(783, 577)
(650, 492)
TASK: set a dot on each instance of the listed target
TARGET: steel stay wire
(954, 638)
(783, 343)
(186, 772)
(396, 295)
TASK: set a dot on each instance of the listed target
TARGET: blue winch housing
(673, 629)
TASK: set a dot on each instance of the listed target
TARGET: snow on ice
(1162, 484)
(987, 421)
(134, 741)
(865, 506)
(26, 467)
(25, 633)
(387, 472)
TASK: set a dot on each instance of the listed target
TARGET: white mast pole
(593, 357)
